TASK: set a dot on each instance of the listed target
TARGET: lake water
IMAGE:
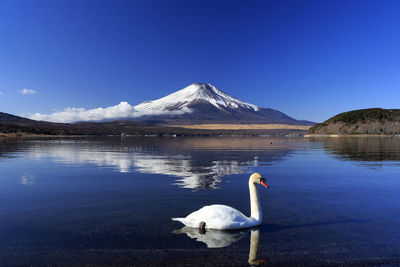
(109, 201)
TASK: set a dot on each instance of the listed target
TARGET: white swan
(224, 217)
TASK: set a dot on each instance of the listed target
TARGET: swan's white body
(224, 217)
(218, 217)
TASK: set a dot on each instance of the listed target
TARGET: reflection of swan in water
(224, 217)
(213, 238)
(219, 239)
(255, 248)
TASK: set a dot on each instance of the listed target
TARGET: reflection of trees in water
(198, 163)
(364, 148)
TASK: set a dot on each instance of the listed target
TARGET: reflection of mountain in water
(199, 163)
(190, 172)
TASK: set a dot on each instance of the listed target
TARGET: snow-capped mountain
(195, 93)
(204, 103)
(198, 103)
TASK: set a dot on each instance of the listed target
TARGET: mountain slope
(362, 121)
(204, 103)
(8, 118)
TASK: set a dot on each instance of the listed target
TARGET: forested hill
(362, 121)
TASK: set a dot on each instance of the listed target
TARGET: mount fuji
(202, 103)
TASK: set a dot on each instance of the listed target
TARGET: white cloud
(1, 92)
(121, 111)
(25, 91)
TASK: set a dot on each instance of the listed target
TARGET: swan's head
(258, 179)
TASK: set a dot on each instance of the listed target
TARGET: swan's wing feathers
(219, 217)
(216, 217)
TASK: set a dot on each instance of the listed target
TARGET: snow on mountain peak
(196, 92)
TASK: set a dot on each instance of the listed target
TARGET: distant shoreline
(221, 126)
(349, 135)
(29, 135)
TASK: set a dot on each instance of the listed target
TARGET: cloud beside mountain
(122, 110)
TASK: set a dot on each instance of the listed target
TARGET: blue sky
(308, 59)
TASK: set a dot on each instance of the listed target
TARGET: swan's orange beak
(264, 184)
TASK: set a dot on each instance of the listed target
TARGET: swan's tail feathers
(184, 221)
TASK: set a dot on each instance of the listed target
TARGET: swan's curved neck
(255, 206)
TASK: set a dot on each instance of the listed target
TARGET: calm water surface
(109, 201)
